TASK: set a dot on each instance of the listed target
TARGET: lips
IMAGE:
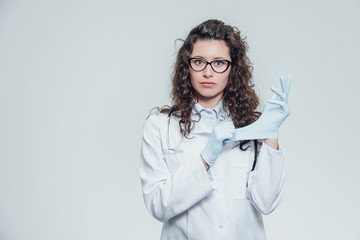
(207, 84)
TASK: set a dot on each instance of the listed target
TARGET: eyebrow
(217, 58)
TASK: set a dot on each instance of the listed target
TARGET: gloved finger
(286, 84)
(229, 140)
(226, 141)
(280, 103)
(274, 97)
(232, 138)
(280, 94)
(224, 130)
(226, 136)
(283, 83)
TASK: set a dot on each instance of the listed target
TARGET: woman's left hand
(275, 112)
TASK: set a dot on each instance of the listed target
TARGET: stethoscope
(169, 148)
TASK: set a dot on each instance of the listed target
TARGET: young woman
(211, 164)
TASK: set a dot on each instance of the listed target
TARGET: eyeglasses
(219, 66)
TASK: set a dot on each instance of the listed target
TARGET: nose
(208, 71)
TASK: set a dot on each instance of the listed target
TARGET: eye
(199, 62)
(219, 63)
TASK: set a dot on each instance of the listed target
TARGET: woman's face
(208, 84)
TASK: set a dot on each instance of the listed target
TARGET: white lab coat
(225, 202)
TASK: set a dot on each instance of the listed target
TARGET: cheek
(194, 76)
(225, 79)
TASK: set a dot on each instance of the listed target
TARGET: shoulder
(154, 127)
(156, 120)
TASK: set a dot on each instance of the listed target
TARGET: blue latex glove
(221, 134)
(275, 112)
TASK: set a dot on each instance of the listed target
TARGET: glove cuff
(207, 158)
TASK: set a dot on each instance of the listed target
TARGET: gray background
(78, 78)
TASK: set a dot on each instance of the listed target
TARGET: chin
(207, 95)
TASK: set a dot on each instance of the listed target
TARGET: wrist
(206, 165)
(272, 142)
(207, 156)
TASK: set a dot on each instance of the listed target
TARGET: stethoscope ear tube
(171, 110)
(168, 132)
(255, 155)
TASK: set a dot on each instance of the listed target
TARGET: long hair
(239, 95)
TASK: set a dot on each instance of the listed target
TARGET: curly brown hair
(239, 95)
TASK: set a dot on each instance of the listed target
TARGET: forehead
(210, 49)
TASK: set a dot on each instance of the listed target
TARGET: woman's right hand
(220, 135)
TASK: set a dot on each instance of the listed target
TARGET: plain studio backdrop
(78, 79)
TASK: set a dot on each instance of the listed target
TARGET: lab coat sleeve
(267, 183)
(167, 194)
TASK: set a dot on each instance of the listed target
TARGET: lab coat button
(220, 226)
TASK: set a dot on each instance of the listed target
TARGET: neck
(209, 102)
